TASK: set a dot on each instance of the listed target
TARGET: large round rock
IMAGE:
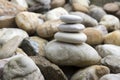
(71, 55)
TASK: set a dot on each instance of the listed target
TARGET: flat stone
(94, 72)
(111, 7)
(108, 49)
(21, 68)
(71, 19)
(70, 37)
(66, 54)
(112, 62)
(48, 69)
(71, 27)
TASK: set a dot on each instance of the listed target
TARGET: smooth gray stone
(91, 73)
(22, 68)
(66, 54)
(71, 19)
(112, 62)
(70, 37)
(71, 27)
(111, 77)
(88, 21)
(108, 49)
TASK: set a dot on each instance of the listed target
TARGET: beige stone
(111, 7)
(55, 13)
(80, 5)
(8, 8)
(27, 21)
(94, 36)
(91, 73)
(112, 38)
(48, 29)
(57, 3)
(8, 12)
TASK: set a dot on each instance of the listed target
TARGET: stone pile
(59, 40)
(70, 42)
(70, 31)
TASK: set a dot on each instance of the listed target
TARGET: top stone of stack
(71, 19)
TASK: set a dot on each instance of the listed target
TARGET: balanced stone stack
(69, 47)
(70, 31)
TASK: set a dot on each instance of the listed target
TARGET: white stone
(22, 68)
(71, 54)
(55, 13)
(111, 77)
(108, 49)
(110, 22)
(70, 37)
(21, 3)
(71, 27)
(71, 19)
(8, 33)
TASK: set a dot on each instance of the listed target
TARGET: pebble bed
(59, 40)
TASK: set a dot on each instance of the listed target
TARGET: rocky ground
(59, 40)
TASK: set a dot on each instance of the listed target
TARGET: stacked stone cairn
(70, 30)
